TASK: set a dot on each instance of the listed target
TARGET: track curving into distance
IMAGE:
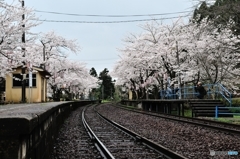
(115, 141)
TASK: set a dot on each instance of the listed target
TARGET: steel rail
(186, 120)
(100, 146)
(157, 147)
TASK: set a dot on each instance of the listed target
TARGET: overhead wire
(115, 16)
(112, 16)
(95, 15)
(121, 21)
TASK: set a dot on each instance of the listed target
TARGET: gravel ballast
(189, 140)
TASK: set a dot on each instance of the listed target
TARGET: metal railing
(214, 91)
(232, 113)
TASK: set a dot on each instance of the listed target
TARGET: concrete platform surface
(26, 110)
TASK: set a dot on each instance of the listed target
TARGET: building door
(2, 89)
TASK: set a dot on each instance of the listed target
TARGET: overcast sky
(99, 41)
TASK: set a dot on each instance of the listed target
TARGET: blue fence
(214, 91)
(217, 111)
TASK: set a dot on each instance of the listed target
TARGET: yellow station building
(36, 93)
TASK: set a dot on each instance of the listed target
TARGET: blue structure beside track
(232, 113)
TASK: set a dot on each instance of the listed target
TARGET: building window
(34, 80)
(17, 80)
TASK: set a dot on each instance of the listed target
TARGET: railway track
(115, 141)
(221, 126)
(73, 141)
(111, 142)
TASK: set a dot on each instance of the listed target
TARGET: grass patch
(106, 101)
(131, 107)
(234, 120)
(188, 112)
(235, 101)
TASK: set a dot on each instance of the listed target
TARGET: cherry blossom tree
(201, 51)
(54, 45)
(70, 76)
(11, 21)
(47, 50)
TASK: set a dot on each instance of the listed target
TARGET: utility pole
(179, 78)
(147, 87)
(44, 54)
(23, 67)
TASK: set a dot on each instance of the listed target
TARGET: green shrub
(235, 110)
(235, 102)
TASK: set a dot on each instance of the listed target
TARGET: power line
(122, 21)
(95, 15)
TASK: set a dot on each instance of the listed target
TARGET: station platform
(199, 107)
